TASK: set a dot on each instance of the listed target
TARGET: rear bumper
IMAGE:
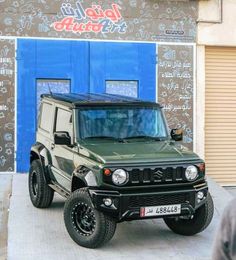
(127, 205)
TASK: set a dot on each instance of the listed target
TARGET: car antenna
(50, 91)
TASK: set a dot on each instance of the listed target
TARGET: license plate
(160, 210)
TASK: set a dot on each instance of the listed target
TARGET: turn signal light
(107, 172)
(201, 167)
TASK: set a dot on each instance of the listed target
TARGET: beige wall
(216, 27)
(217, 34)
(207, 34)
(200, 103)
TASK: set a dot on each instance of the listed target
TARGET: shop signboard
(133, 20)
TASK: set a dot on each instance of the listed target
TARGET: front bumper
(127, 204)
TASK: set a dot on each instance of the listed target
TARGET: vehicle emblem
(158, 174)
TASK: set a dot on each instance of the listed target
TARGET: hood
(138, 152)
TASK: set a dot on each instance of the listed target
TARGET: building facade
(216, 88)
(144, 49)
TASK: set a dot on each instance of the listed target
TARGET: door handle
(52, 146)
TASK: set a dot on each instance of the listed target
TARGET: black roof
(92, 99)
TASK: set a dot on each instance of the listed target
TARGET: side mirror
(62, 138)
(177, 134)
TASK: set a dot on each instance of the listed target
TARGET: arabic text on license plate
(160, 210)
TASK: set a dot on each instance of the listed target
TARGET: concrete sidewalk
(5, 193)
(231, 190)
(41, 234)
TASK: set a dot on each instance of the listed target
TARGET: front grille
(157, 175)
(156, 200)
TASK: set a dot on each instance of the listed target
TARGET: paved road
(5, 193)
(40, 234)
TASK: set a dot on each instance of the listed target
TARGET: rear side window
(46, 117)
(64, 121)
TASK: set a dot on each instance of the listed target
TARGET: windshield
(121, 123)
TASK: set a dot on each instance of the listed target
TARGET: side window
(46, 117)
(128, 88)
(55, 85)
(64, 121)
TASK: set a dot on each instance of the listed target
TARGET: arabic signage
(175, 88)
(133, 20)
(7, 60)
(92, 19)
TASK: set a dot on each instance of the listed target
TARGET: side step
(59, 190)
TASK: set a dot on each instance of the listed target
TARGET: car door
(62, 155)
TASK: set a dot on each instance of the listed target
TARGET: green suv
(114, 160)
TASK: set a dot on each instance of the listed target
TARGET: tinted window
(64, 121)
(55, 85)
(122, 122)
(46, 117)
(127, 88)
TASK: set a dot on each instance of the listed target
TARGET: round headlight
(119, 177)
(191, 173)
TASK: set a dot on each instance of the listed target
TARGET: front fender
(83, 177)
(39, 151)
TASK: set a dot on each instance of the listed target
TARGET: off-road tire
(103, 228)
(41, 194)
(200, 221)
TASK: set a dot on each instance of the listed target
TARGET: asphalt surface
(5, 193)
(41, 234)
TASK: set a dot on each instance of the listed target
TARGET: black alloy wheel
(84, 219)
(35, 185)
(196, 223)
(87, 226)
(41, 194)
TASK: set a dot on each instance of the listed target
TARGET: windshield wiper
(104, 137)
(143, 137)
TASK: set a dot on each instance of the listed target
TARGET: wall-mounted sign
(133, 20)
(97, 19)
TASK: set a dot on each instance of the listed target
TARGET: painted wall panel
(127, 88)
(176, 87)
(7, 105)
(123, 61)
(87, 64)
(44, 59)
(54, 85)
